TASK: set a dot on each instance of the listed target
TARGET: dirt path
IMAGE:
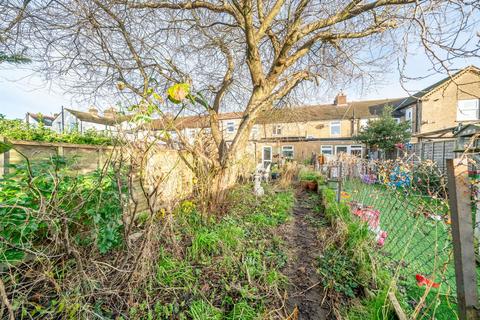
(305, 291)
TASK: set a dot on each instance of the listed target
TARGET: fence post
(4, 160)
(462, 234)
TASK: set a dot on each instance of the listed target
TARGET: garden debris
(372, 218)
(421, 281)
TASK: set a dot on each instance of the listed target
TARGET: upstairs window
(409, 114)
(255, 130)
(287, 152)
(335, 127)
(277, 130)
(363, 123)
(230, 126)
(467, 110)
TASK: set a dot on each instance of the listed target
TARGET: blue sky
(23, 91)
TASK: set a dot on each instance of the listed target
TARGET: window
(230, 126)
(191, 133)
(409, 114)
(341, 149)
(326, 150)
(363, 123)
(287, 152)
(356, 150)
(334, 128)
(467, 110)
(277, 129)
(255, 130)
(267, 156)
(397, 120)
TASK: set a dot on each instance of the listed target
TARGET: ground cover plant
(19, 130)
(69, 251)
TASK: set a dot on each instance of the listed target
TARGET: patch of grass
(242, 311)
(202, 310)
(172, 272)
(230, 268)
(374, 308)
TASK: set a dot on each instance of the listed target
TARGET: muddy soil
(301, 236)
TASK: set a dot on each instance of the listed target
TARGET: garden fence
(405, 204)
(164, 168)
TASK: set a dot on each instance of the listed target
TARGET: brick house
(297, 132)
(328, 128)
(436, 110)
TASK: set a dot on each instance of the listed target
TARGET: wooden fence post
(462, 234)
(4, 160)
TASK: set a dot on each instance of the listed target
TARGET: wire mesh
(407, 199)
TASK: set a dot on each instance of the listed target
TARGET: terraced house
(328, 129)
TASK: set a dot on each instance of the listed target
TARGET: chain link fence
(405, 204)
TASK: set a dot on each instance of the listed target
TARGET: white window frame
(230, 126)
(342, 146)
(191, 132)
(265, 162)
(277, 130)
(409, 114)
(255, 129)
(292, 150)
(356, 147)
(363, 123)
(336, 123)
(470, 109)
(329, 147)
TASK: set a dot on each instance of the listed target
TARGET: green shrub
(18, 130)
(40, 200)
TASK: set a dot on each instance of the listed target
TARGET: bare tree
(249, 54)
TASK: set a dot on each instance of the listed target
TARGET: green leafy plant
(18, 130)
(385, 132)
(88, 205)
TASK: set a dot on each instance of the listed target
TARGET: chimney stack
(93, 111)
(340, 99)
(110, 112)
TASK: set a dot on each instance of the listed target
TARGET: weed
(242, 311)
(338, 272)
(171, 272)
(202, 310)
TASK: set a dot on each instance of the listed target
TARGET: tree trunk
(226, 176)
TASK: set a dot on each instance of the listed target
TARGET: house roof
(197, 121)
(352, 110)
(46, 120)
(436, 86)
(355, 109)
(90, 117)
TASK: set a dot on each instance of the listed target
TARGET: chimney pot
(110, 112)
(93, 111)
(340, 99)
